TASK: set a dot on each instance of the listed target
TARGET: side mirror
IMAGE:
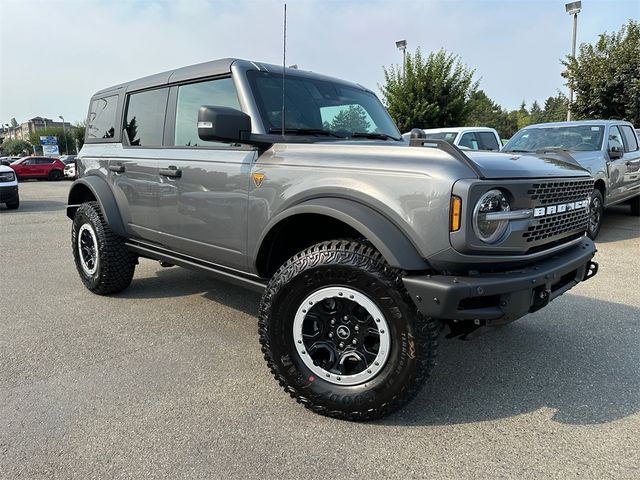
(222, 124)
(615, 152)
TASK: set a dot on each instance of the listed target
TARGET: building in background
(22, 131)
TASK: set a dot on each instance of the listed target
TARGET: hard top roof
(212, 69)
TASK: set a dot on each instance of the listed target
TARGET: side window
(630, 141)
(488, 140)
(144, 121)
(102, 118)
(615, 138)
(469, 140)
(219, 93)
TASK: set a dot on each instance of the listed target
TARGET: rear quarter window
(101, 123)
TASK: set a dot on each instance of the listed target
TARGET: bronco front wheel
(341, 334)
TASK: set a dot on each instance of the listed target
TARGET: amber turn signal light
(456, 212)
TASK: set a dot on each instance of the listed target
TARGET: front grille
(548, 193)
(563, 223)
(554, 225)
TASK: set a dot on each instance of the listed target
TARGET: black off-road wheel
(596, 211)
(341, 334)
(103, 261)
(14, 205)
(635, 206)
(56, 175)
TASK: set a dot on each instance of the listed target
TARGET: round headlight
(488, 229)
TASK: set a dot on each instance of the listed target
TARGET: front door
(204, 186)
(616, 168)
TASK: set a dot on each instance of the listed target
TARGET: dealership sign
(48, 140)
(50, 150)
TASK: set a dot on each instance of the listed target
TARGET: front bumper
(8, 193)
(506, 296)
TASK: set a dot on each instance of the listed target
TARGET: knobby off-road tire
(339, 270)
(596, 211)
(104, 263)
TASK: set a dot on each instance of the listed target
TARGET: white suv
(9, 188)
(473, 138)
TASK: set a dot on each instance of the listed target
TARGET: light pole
(64, 132)
(402, 46)
(573, 8)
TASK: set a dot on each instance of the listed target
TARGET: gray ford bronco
(300, 186)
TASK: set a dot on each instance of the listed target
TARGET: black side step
(251, 282)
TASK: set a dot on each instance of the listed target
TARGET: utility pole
(64, 132)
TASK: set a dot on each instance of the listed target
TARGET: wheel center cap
(343, 332)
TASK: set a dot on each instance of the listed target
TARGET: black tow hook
(591, 270)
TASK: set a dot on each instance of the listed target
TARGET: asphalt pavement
(166, 380)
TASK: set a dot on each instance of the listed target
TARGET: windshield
(581, 138)
(319, 105)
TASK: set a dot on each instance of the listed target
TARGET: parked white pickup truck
(473, 138)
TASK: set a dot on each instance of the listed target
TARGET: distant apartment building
(22, 131)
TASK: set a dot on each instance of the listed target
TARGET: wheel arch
(334, 218)
(94, 188)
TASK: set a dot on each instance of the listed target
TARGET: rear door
(203, 185)
(631, 158)
(134, 174)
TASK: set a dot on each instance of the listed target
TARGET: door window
(217, 93)
(630, 141)
(615, 138)
(469, 140)
(144, 122)
(488, 140)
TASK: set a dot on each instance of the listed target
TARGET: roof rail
(418, 139)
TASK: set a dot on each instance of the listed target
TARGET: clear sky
(55, 53)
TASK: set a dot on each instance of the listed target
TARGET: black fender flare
(394, 245)
(101, 191)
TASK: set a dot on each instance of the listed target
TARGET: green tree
(15, 147)
(606, 76)
(484, 112)
(555, 108)
(432, 92)
(77, 132)
(351, 119)
(536, 113)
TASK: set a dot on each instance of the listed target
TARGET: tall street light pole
(402, 46)
(64, 131)
(573, 8)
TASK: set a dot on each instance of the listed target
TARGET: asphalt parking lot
(167, 379)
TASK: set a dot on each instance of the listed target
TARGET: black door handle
(117, 168)
(173, 172)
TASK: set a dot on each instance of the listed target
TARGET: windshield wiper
(376, 135)
(518, 151)
(306, 131)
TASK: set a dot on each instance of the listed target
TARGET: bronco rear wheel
(103, 261)
(341, 334)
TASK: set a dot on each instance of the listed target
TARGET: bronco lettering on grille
(563, 207)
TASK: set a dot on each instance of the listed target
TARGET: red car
(38, 167)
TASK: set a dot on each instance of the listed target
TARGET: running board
(237, 278)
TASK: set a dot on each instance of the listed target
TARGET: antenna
(284, 62)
